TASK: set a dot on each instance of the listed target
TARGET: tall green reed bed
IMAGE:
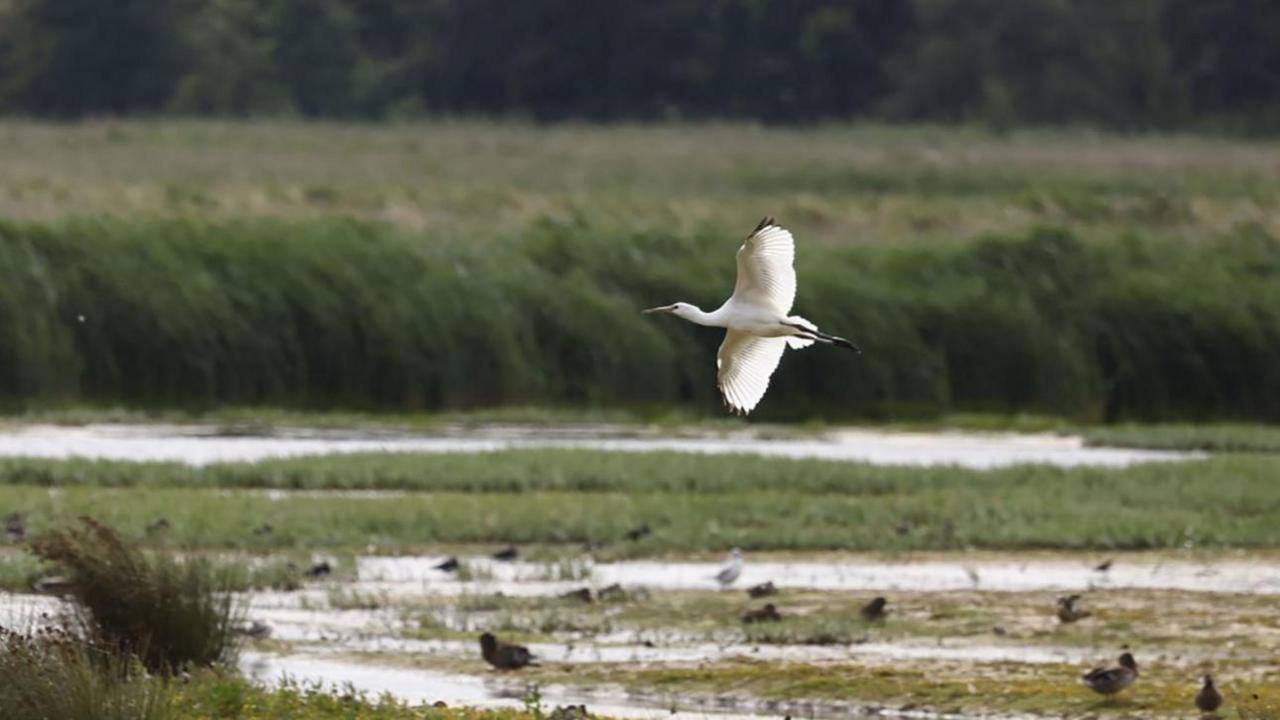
(343, 314)
(693, 504)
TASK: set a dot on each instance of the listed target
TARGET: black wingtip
(767, 221)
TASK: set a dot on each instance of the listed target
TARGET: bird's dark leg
(818, 336)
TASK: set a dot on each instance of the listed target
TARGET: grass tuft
(172, 614)
(53, 675)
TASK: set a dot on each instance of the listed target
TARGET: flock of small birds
(1102, 680)
(509, 656)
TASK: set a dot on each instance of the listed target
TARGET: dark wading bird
(1067, 611)
(768, 613)
(757, 318)
(1109, 681)
(507, 553)
(320, 569)
(15, 527)
(638, 532)
(874, 610)
(504, 656)
(764, 589)
(611, 592)
(1208, 699)
(581, 595)
(450, 564)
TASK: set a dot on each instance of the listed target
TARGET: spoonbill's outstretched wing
(766, 277)
(743, 367)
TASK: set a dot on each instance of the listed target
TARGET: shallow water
(196, 445)
(391, 574)
(506, 690)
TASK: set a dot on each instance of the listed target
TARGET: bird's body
(729, 574)
(15, 527)
(768, 613)
(1067, 610)
(757, 318)
(874, 610)
(504, 656)
(1208, 699)
(638, 532)
(764, 589)
(1108, 681)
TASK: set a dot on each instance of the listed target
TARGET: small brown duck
(764, 589)
(581, 595)
(570, 712)
(1108, 681)
(611, 593)
(1067, 610)
(768, 613)
(257, 630)
(15, 527)
(638, 532)
(1208, 699)
(504, 656)
(874, 611)
(507, 553)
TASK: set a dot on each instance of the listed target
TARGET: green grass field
(477, 181)
(694, 503)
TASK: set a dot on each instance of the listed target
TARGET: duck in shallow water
(768, 613)
(874, 610)
(1067, 611)
(1109, 681)
(504, 656)
(1208, 699)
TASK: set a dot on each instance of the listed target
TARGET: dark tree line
(1130, 64)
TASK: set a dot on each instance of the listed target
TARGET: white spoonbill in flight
(757, 318)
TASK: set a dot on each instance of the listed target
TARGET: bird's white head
(681, 310)
(735, 553)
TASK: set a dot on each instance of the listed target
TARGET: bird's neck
(709, 319)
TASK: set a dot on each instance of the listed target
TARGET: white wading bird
(757, 319)
(730, 571)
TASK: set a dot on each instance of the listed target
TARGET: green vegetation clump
(693, 503)
(170, 614)
(346, 314)
(53, 675)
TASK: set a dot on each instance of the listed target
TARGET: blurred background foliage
(348, 314)
(1130, 64)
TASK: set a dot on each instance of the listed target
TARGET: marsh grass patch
(170, 613)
